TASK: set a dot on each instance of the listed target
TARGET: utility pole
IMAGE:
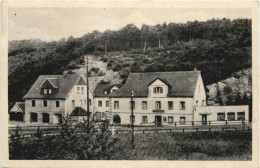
(87, 98)
(132, 118)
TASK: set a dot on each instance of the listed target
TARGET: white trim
(17, 107)
(75, 85)
(49, 81)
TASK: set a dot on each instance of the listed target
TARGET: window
(107, 103)
(164, 119)
(45, 91)
(99, 103)
(45, 118)
(34, 117)
(45, 103)
(116, 104)
(231, 116)
(144, 119)
(202, 103)
(170, 105)
(221, 116)
(170, 119)
(158, 105)
(33, 103)
(182, 105)
(73, 103)
(105, 92)
(103, 115)
(133, 105)
(50, 91)
(78, 90)
(158, 90)
(182, 120)
(80, 102)
(57, 103)
(197, 103)
(240, 115)
(131, 118)
(144, 105)
(82, 90)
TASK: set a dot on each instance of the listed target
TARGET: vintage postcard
(130, 84)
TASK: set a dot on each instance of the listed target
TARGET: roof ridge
(162, 72)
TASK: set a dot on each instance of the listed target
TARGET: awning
(79, 111)
(208, 113)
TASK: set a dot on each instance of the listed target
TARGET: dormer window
(45, 91)
(158, 90)
(105, 92)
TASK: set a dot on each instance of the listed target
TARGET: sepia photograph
(129, 82)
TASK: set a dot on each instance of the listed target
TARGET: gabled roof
(50, 83)
(79, 111)
(20, 106)
(99, 91)
(65, 83)
(183, 83)
(165, 82)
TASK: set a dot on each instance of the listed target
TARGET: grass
(228, 145)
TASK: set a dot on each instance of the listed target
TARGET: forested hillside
(218, 48)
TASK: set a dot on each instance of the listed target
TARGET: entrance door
(158, 120)
(204, 119)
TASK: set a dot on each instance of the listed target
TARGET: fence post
(209, 129)
(170, 130)
(143, 131)
(197, 129)
(182, 130)
(226, 122)
(192, 123)
(209, 122)
(242, 122)
(175, 124)
(57, 127)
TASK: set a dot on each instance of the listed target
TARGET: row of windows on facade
(231, 116)
(45, 117)
(170, 119)
(158, 105)
(160, 89)
(45, 103)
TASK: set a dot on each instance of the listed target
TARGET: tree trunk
(105, 47)
(144, 45)
(159, 43)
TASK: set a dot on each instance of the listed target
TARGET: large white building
(158, 98)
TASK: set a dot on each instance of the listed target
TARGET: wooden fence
(193, 126)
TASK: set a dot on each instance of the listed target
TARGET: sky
(50, 24)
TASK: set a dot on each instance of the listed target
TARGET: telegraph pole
(87, 97)
(132, 118)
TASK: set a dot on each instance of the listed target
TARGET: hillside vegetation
(218, 48)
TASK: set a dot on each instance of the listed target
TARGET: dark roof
(64, 83)
(182, 83)
(99, 91)
(79, 111)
